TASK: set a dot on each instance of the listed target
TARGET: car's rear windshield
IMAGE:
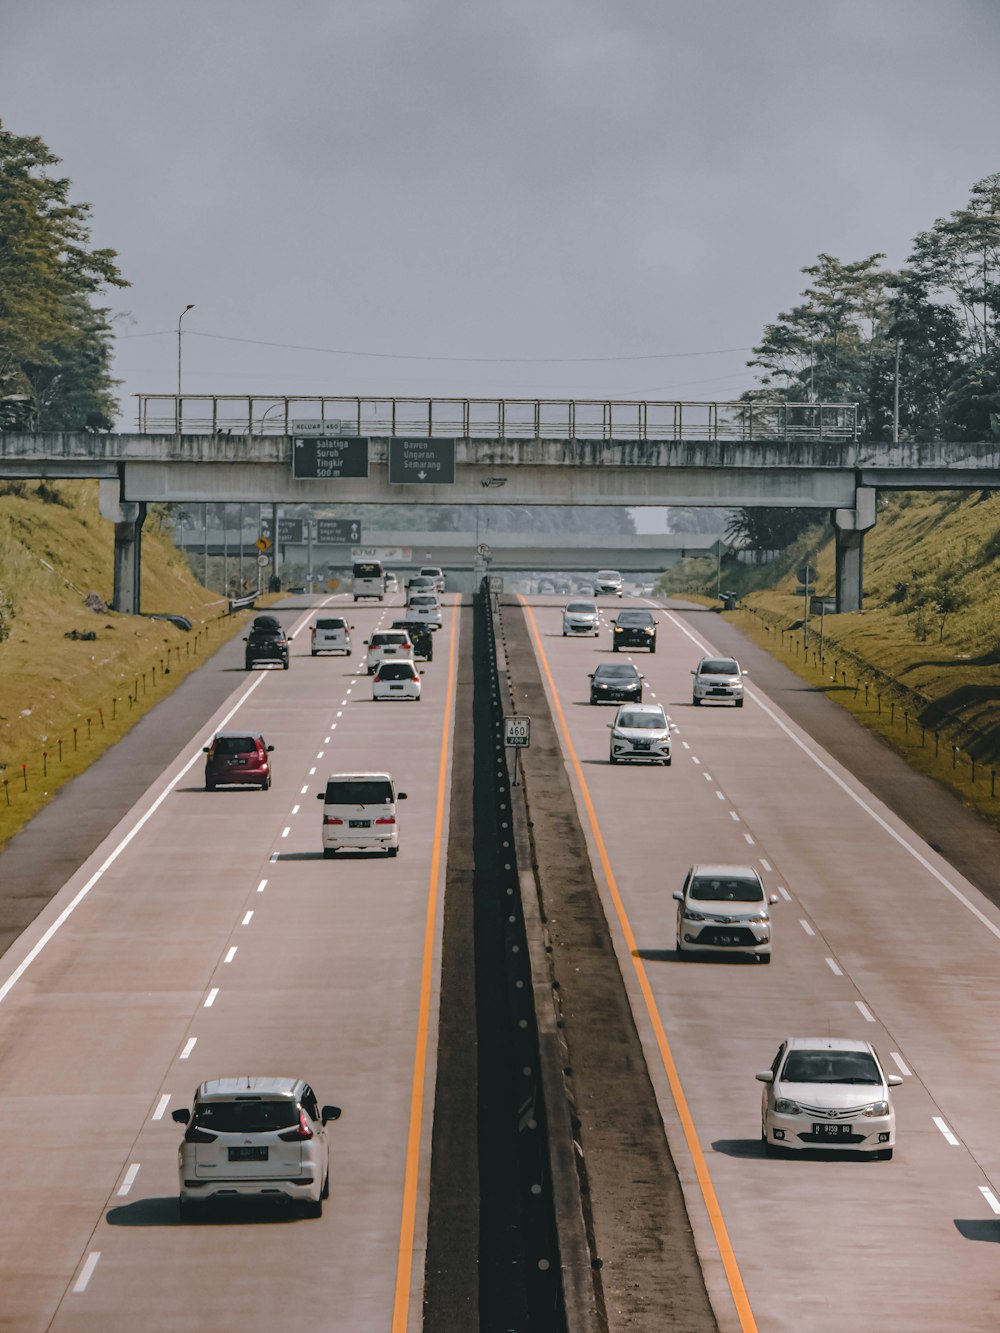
(266, 634)
(235, 745)
(424, 599)
(720, 666)
(431, 571)
(830, 1067)
(616, 671)
(246, 1117)
(334, 623)
(726, 889)
(359, 791)
(367, 570)
(582, 608)
(384, 636)
(395, 671)
(645, 721)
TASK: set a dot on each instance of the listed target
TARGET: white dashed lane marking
(948, 1135)
(87, 1271)
(129, 1180)
(864, 1011)
(734, 815)
(990, 1198)
(230, 955)
(248, 918)
(210, 997)
(188, 1048)
(833, 967)
(806, 927)
(784, 893)
(900, 1064)
(161, 1106)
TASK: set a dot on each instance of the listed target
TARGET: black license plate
(640, 745)
(723, 938)
(827, 1131)
(236, 762)
(359, 823)
(248, 1154)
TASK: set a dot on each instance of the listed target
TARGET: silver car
(607, 581)
(718, 678)
(640, 732)
(829, 1093)
(580, 618)
(254, 1137)
(724, 909)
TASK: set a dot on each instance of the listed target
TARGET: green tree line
(55, 340)
(917, 349)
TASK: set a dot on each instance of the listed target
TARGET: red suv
(237, 759)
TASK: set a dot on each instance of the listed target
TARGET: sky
(522, 198)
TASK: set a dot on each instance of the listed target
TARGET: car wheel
(189, 1210)
(312, 654)
(667, 763)
(614, 647)
(329, 851)
(739, 703)
(393, 851)
(695, 701)
(326, 1186)
(772, 1149)
(884, 1155)
(612, 759)
(284, 666)
(314, 1207)
(266, 785)
(652, 648)
(593, 700)
(764, 957)
(680, 952)
(209, 786)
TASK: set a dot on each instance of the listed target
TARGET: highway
(207, 936)
(875, 937)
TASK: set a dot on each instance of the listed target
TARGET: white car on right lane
(718, 679)
(828, 1093)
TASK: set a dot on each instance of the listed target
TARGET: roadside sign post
(496, 588)
(516, 737)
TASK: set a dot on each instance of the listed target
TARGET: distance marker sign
(517, 732)
(421, 461)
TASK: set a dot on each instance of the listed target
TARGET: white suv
(718, 678)
(387, 644)
(257, 1138)
(640, 732)
(436, 573)
(359, 812)
(724, 909)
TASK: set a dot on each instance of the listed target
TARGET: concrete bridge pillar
(128, 517)
(850, 526)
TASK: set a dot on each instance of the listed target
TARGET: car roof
(619, 668)
(613, 572)
(642, 708)
(220, 734)
(828, 1044)
(722, 871)
(718, 657)
(226, 1089)
(352, 777)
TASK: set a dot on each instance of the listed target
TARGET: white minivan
(368, 579)
(331, 634)
(359, 812)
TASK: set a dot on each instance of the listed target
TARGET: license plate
(248, 1154)
(640, 745)
(359, 823)
(723, 938)
(825, 1130)
(236, 762)
(395, 687)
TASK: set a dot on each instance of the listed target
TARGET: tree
(763, 529)
(52, 341)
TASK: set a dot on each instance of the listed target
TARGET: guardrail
(241, 603)
(495, 418)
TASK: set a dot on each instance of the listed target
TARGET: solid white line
(262, 886)
(113, 856)
(765, 865)
(129, 1180)
(210, 997)
(990, 1198)
(806, 927)
(230, 955)
(188, 1048)
(734, 815)
(949, 1136)
(749, 839)
(161, 1106)
(784, 893)
(285, 832)
(865, 1012)
(248, 918)
(900, 1064)
(833, 967)
(87, 1272)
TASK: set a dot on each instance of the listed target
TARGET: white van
(359, 811)
(368, 579)
(331, 634)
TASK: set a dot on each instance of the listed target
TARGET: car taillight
(386, 819)
(301, 1131)
(330, 819)
(415, 679)
(193, 1135)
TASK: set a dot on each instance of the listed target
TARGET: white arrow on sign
(421, 476)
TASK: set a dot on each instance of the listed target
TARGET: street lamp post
(177, 411)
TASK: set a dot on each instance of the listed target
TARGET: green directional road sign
(329, 457)
(421, 461)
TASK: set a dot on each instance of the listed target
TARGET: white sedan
(396, 680)
(827, 1093)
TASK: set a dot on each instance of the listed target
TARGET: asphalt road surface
(876, 936)
(206, 935)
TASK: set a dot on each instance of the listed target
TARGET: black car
(615, 682)
(266, 644)
(421, 636)
(634, 629)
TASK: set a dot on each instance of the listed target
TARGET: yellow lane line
(719, 1230)
(404, 1260)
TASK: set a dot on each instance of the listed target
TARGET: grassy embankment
(65, 700)
(932, 691)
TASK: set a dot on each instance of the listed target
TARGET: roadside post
(516, 737)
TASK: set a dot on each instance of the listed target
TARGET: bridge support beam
(128, 517)
(850, 526)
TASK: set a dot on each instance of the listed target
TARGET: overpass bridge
(540, 452)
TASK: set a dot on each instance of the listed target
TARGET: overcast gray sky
(479, 193)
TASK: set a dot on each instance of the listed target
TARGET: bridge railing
(495, 418)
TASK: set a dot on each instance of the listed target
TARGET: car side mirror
(773, 898)
(245, 639)
(350, 627)
(693, 672)
(421, 672)
(205, 749)
(364, 641)
(611, 726)
(330, 1113)
(679, 896)
(270, 749)
(182, 1116)
(590, 675)
(321, 796)
(894, 1080)
(401, 796)
(765, 1076)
